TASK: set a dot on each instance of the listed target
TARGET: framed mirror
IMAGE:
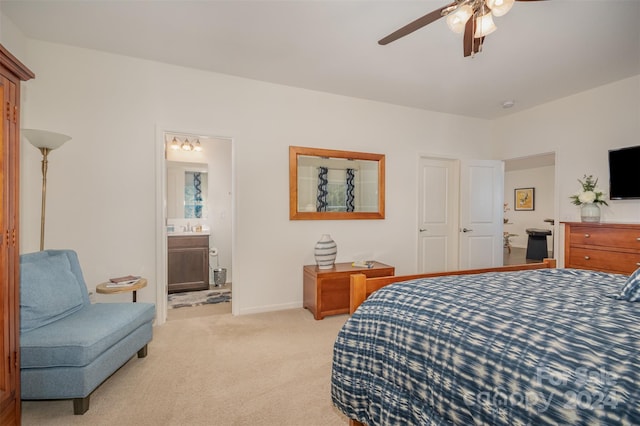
(335, 185)
(187, 190)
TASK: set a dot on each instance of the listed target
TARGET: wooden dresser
(326, 291)
(608, 247)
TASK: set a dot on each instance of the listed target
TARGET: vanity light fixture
(46, 142)
(185, 145)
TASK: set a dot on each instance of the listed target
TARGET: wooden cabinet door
(8, 345)
(188, 263)
(11, 73)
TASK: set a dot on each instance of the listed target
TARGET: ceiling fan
(473, 17)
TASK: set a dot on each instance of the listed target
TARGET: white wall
(542, 179)
(101, 198)
(580, 129)
(11, 37)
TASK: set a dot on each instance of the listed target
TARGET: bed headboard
(361, 286)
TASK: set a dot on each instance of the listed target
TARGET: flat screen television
(624, 173)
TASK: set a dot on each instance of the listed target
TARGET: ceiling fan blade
(467, 40)
(415, 25)
(471, 44)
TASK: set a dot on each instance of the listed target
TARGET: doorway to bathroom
(198, 224)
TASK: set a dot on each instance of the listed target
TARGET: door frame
(161, 217)
(558, 231)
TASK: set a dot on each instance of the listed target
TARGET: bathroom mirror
(187, 190)
(331, 184)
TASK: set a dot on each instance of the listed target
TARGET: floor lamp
(46, 142)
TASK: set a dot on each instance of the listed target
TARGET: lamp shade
(45, 138)
(457, 20)
(484, 25)
(500, 7)
(174, 144)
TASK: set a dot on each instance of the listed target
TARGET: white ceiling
(541, 51)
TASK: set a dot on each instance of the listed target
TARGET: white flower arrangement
(590, 192)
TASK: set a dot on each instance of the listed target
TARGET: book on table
(124, 281)
(363, 264)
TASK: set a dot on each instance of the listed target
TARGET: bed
(491, 347)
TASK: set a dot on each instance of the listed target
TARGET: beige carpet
(211, 368)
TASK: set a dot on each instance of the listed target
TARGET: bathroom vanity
(188, 262)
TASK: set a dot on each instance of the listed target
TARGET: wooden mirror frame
(294, 214)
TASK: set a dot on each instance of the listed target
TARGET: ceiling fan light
(457, 20)
(484, 25)
(500, 7)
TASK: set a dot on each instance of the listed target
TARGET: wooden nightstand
(326, 291)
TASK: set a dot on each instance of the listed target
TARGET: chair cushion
(48, 291)
(78, 339)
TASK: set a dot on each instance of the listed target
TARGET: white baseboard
(270, 308)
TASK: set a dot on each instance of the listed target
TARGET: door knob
(423, 230)
(466, 230)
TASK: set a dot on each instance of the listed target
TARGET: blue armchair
(69, 346)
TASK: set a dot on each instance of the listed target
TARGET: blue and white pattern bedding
(549, 346)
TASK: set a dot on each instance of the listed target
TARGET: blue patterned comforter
(525, 348)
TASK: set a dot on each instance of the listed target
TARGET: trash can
(219, 276)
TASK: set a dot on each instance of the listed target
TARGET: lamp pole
(45, 152)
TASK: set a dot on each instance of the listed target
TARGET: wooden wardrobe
(12, 72)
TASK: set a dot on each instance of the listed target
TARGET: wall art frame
(524, 199)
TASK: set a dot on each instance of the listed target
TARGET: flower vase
(325, 252)
(590, 212)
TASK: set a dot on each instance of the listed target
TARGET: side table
(326, 291)
(103, 289)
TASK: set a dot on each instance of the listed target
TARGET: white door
(438, 190)
(481, 211)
